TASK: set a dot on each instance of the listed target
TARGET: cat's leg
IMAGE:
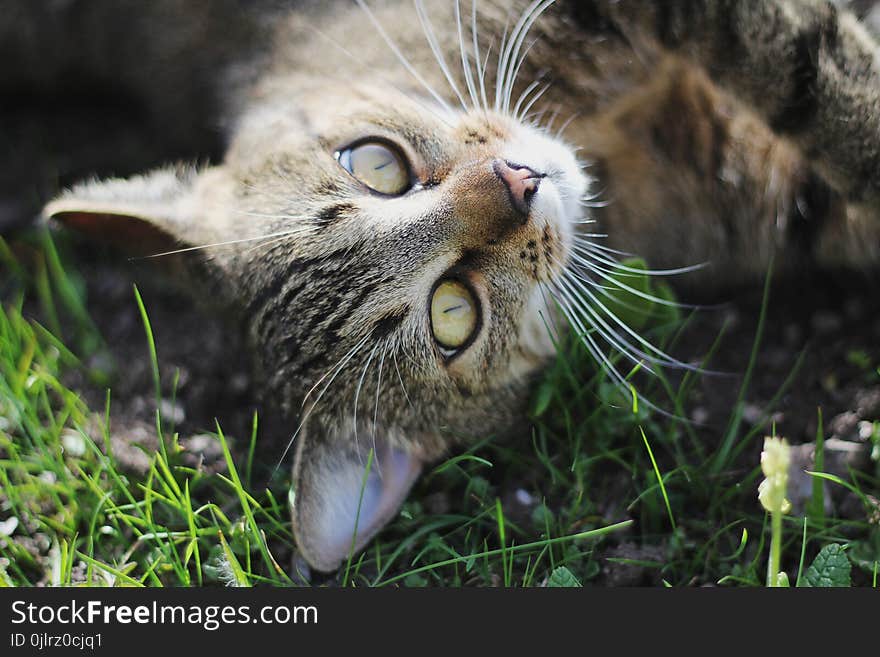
(685, 175)
(812, 75)
(811, 72)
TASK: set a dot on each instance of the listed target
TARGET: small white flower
(775, 460)
(8, 526)
(73, 443)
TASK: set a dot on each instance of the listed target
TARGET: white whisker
(584, 248)
(515, 74)
(403, 60)
(400, 378)
(605, 274)
(216, 244)
(431, 37)
(653, 354)
(465, 63)
(357, 393)
(481, 72)
(602, 247)
(594, 204)
(522, 98)
(614, 339)
(552, 121)
(431, 110)
(336, 369)
(565, 124)
(535, 99)
(584, 335)
(376, 411)
(499, 70)
(513, 48)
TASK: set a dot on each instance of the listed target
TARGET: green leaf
(542, 399)
(831, 567)
(562, 577)
(235, 573)
(665, 313)
(816, 504)
(628, 288)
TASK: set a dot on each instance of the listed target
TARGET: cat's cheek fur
(539, 327)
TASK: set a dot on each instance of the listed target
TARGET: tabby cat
(417, 198)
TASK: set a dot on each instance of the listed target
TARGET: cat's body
(338, 285)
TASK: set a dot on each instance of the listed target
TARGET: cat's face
(392, 259)
(414, 268)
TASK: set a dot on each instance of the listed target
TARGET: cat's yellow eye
(379, 166)
(454, 315)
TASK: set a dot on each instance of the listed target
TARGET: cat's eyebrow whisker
(428, 31)
(512, 50)
(566, 124)
(431, 110)
(481, 72)
(336, 368)
(263, 192)
(522, 98)
(402, 59)
(535, 98)
(267, 215)
(465, 62)
(283, 238)
(508, 94)
(216, 244)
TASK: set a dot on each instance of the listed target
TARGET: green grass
(616, 486)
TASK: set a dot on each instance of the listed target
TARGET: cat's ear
(343, 495)
(143, 214)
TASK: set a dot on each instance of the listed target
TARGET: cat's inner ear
(142, 215)
(344, 492)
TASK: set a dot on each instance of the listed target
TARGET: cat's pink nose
(521, 182)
